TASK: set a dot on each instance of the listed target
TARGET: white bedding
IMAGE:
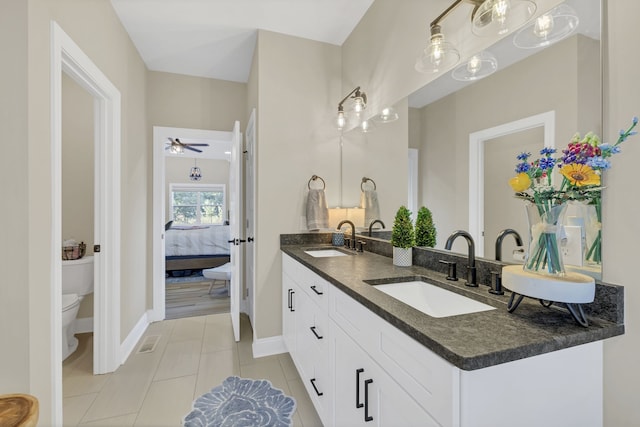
(211, 240)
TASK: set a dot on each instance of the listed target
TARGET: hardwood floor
(188, 299)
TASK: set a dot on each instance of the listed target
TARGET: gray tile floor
(156, 389)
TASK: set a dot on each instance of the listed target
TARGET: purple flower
(547, 163)
(547, 151)
(522, 167)
(523, 156)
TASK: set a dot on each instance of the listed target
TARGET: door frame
(67, 57)
(477, 140)
(160, 135)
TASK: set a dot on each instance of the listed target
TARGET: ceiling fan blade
(192, 149)
(195, 145)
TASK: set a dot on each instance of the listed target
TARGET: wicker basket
(74, 252)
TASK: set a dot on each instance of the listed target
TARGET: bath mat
(242, 402)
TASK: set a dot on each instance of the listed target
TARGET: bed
(196, 247)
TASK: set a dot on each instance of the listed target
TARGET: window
(198, 203)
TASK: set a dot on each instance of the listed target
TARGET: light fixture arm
(476, 4)
(356, 92)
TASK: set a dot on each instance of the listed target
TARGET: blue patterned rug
(242, 402)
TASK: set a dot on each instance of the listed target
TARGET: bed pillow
(168, 225)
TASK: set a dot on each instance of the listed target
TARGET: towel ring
(364, 181)
(313, 178)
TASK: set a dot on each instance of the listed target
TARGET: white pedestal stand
(572, 289)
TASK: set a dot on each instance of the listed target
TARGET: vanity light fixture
(477, 67)
(195, 174)
(499, 17)
(359, 104)
(489, 17)
(548, 28)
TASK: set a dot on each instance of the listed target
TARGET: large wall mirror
(558, 87)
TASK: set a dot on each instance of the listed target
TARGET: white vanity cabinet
(361, 370)
(306, 331)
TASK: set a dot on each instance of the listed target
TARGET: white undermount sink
(323, 253)
(432, 300)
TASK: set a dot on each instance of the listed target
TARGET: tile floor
(156, 389)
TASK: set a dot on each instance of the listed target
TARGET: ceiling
(216, 38)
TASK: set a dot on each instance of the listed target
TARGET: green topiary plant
(425, 229)
(402, 235)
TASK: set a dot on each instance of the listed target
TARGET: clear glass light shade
(499, 17)
(386, 115)
(341, 120)
(358, 105)
(438, 56)
(553, 26)
(367, 126)
(176, 149)
(478, 66)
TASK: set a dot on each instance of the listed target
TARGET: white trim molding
(268, 346)
(477, 140)
(67, 57)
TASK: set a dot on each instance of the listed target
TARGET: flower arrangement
(581, 166)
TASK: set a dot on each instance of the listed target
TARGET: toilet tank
(77, 276)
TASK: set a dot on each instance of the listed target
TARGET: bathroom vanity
(366, 358)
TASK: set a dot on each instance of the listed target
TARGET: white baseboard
(134, 336)
(268, 346)
(84, 325)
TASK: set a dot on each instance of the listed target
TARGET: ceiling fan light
(341, 120)
(477, 67)
(551, 27)
(499, 17)
(367, 126)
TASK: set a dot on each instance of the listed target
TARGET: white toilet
(77, 281)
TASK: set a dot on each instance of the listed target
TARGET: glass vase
(593, 227)
(545, 235)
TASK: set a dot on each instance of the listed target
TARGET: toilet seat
(69, 301)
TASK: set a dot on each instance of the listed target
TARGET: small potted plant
(402, 238)
(425, 229)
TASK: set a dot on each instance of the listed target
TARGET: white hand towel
(369, 202)
(317, 211)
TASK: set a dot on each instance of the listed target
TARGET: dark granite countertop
(469, 341)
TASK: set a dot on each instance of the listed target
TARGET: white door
(235, 212)
(250, 185)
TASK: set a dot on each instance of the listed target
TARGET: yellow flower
(520, 182)
(580, 175)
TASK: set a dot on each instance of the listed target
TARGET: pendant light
(358, 106)
(195, 174)
(551, 27)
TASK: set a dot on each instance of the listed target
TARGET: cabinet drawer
(315, 287)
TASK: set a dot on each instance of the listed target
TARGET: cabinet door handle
(289, 299)
(358, 372)
(313, 329)
(313, 288)
(291, 292)
(367, 417)
(313, 383)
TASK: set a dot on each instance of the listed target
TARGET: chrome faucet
(353, 232)
(374, 223)
(501, 236)
(471, 268)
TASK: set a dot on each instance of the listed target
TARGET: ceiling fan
(177, 146)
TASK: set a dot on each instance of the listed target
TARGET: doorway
(218, 151)
(68, 58)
